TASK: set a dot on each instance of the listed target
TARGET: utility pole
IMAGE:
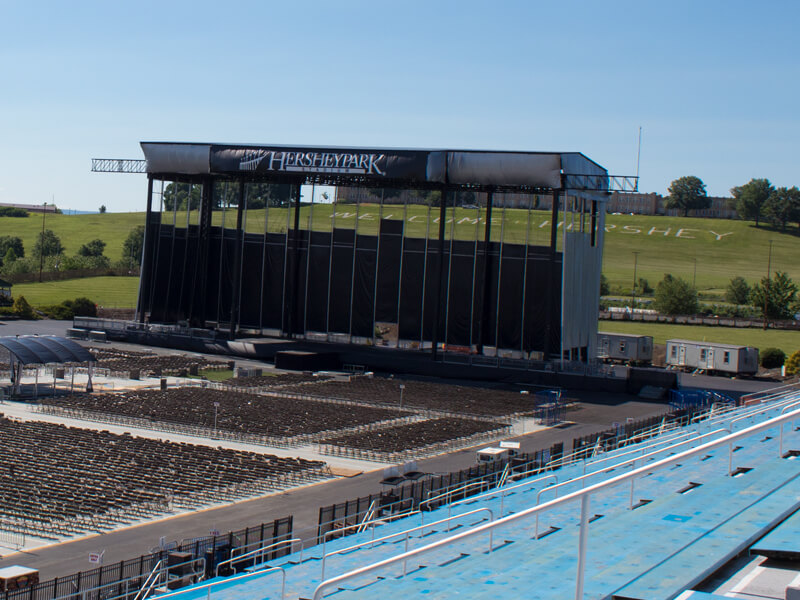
(633, 292)
(41, 243)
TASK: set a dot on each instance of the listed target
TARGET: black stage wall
(337, 282)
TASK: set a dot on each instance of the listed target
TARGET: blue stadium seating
(687, 520)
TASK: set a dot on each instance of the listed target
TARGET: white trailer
(712, 357)
(625, 347)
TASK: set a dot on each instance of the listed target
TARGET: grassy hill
(719, 249)
(75, 230)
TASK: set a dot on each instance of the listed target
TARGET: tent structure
(42, 350)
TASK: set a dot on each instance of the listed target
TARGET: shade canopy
(45, 349)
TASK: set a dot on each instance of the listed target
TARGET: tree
(10, 256)
(751, 197)
(102, 209)
(93, 248)
(783, 206)
(774, 296)
(643, 287)
(687, 193)
(7, 241)
(793, 363)
(674, 296)
(47, 244)
(132, 246)
(738, 292)
(176, 196)
(605, 289)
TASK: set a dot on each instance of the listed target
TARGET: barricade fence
(99, 583)
(410, 495)
(611, 439)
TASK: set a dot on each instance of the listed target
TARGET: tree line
(756, 200)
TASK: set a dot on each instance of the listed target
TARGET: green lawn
(110, 292)
(75, 230)
(788, 341)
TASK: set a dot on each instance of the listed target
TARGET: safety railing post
(583, 537)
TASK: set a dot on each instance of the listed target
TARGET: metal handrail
(235, 559)
(382, 520)
(583, 495)
(367, 516)
(148, 584)
(630, 461)
(501, 491)
(228, 581)
(780, 445)
(406, 532)
(463, 488)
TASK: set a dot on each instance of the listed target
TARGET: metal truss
(119, 165)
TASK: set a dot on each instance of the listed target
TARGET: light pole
(41, 243)
(402, 387)
(216, 408)
(694, 276)
(635, 263)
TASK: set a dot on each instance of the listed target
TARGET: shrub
(674, 296)
(10, 211)
(793, 364)
(772, 358)
(22, 309)
(68, 309)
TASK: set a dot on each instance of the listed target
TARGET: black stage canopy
(376, 166)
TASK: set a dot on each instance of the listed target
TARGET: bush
(10, 211)
(793, 364)
(68, 309)
(772, 358)
(737, 292)
(22, 309)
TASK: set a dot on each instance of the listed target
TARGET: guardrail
(584, 495)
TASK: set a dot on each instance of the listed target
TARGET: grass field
(110, 292)
(788, 341)
(75, 230)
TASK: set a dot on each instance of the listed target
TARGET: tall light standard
(41, 243)
(635, 263)
(216, 408)
(694, 276)
(402, 387)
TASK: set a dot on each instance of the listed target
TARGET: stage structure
(442, 251)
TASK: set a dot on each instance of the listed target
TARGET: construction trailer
(625, 347)
(711, 356)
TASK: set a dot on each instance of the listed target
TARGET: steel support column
(147, 264)
(437, 308)
(237, 266)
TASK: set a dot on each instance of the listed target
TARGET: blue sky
(713, 84)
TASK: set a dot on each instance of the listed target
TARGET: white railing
(228, 580)
(583, 495)
(406, 534)
(259, 551)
